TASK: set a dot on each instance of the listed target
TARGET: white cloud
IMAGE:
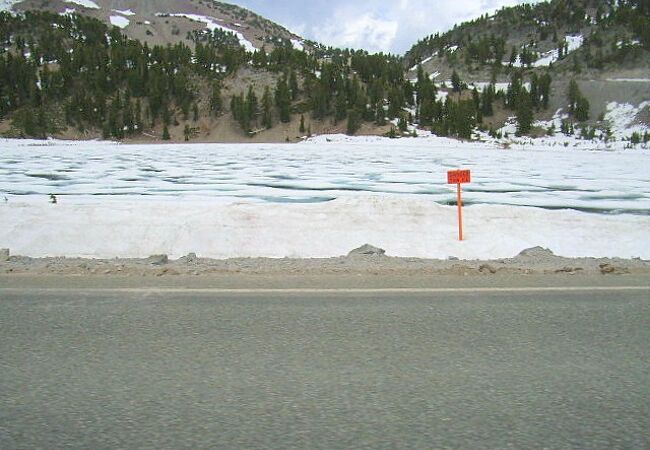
(365, 31)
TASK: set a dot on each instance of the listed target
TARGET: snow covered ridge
(211, 24)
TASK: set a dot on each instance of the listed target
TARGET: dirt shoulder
(532, 267)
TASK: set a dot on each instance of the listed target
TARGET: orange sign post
(459, 177)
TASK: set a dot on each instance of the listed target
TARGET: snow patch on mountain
(298, 45)
(119, 21)
(424, 61)
(498, 87)
(629, 80)
(211, 24)
(85, 3)
(573, 43)
(6, 5)
(126, 12)
(622, 119)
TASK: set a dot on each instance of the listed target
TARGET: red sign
(458, 176)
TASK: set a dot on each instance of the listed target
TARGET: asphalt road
(308, 370)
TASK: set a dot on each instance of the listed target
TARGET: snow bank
(406, 227)
(85, 3)
(119, 21)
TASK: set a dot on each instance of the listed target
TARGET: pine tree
(524, 114)
(487, 97)
(578, 104)
(165, 135)
(582, 109)
(354, 122)
(293, 85)
(187, 132)
(267, 109)
(380, 114)
(283, 100)
(455, 82)
(138, 116)
(251, 105)
(545, 89)
(340, 106)
(302, 124)
(215, 99)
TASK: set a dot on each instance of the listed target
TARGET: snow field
(321, 198)
(330, 167)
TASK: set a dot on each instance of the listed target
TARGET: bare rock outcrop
(367, 250)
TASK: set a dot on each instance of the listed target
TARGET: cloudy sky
(377, 25)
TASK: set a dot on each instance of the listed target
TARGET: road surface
(308, 369)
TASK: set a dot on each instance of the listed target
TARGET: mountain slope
(603, 45)
(164, 22)
(73, 76)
